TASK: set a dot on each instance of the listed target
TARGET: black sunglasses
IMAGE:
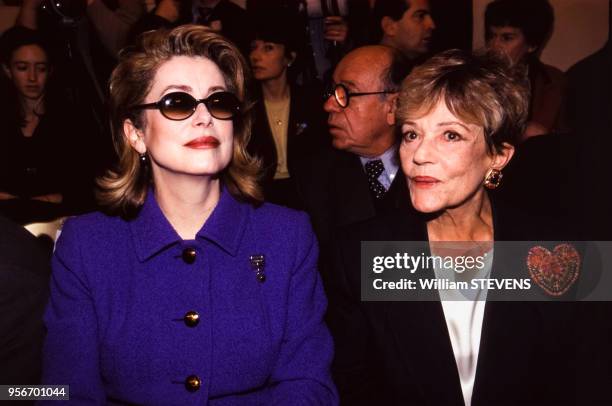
(343, 96)
(180, 105)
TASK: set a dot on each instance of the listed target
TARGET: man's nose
(430, 23)
(331, 105)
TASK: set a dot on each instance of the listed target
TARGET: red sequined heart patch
(555, 272)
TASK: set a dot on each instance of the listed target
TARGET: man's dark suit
(24, 274)
(399, 353)
(335, 190)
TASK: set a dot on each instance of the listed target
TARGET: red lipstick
(207, 142)
(424, 181)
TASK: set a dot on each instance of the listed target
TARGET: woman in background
(40, 173)
(184, 292)
(289, 121)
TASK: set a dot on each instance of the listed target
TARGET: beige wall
(581, 28)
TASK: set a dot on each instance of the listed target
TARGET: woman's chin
(260, 75)
(32, 95)
(427, 207)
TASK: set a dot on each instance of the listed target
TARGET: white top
(464, 323)
(278, 118)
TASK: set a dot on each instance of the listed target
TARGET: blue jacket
(118, 329)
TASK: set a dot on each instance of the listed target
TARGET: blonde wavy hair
(481, 88)
(122, 191)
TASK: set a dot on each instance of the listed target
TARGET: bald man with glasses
(360, 177)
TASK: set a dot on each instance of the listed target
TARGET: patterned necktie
(373, 170)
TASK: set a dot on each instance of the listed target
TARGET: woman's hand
(534, 129)
(31, 4)
(7, 196)
(28, 14)
(168, 9)
(336, 29)
(49, 198)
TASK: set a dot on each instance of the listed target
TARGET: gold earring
(493, 179)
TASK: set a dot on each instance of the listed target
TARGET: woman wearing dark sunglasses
(188, 290)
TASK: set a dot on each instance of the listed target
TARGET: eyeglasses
(343, 96)
(180, 105)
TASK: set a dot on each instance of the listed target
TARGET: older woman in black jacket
(460, 116)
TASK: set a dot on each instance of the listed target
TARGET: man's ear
(502, 158)
(391, 106)
(134, 136)
(7, 71)
(389, 27)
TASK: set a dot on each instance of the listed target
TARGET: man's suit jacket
(24, 275)
(399, 353)
(335, 190)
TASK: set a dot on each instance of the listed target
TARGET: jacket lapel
(420, 334)
(292, 127)
(509, 329)
(352, 196)
(262, 141)
(397, 196)
(421, 338)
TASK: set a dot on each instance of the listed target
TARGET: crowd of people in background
(80, 44)
(323, 80)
